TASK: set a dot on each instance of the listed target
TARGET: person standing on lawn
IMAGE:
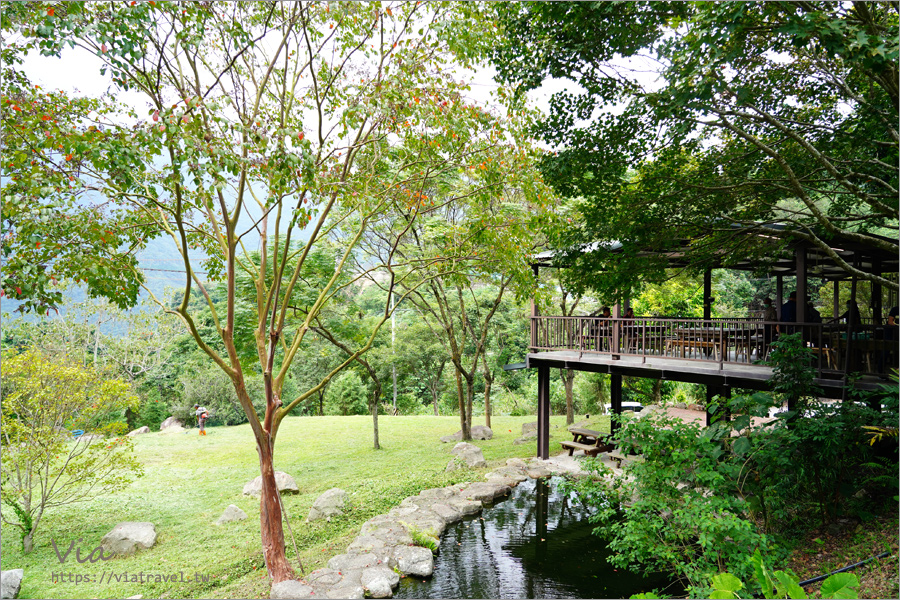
(202, 415)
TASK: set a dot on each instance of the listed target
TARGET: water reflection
(535, 544)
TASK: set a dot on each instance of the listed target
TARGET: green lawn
(190, 480)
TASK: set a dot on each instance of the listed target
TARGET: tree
(487, 241)
(759, 117)
(45, 397)
(278, 128)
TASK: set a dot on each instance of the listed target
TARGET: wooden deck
(731, 374)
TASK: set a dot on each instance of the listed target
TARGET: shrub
(46, 398)
(347, 395)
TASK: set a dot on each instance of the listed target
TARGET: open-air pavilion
(723, 353)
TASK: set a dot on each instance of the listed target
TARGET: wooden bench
(592, 442)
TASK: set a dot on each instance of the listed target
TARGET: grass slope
(190, 480)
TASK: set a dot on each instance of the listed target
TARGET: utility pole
(393, 353)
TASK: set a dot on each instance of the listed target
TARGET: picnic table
(592, 442)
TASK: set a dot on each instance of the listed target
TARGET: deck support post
(779, 294)
(836, 299)
(615, 400)
(707, 295)
(802, 293)
(876, 294)
(543, 424)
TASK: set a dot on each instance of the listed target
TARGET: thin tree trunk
(470, 396)
(487, 401)
(461, 396)
(270, 515)
(488, 380)
(375, 424)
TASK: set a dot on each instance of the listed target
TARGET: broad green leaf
(725, 585)
(840, 585)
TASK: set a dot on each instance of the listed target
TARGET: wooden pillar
(836, 306)
(615, 399)
(543, 424)
(779, 293)
(707, 294)
(534, 308)
(616, 331)
(800, 263)
(876, 294)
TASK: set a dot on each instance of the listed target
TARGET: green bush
(347, 395)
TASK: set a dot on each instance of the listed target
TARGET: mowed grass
(189, 480)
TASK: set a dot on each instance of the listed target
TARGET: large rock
(467, 455)
(128, 537)
(485, 492)
(529, 428)
(481, 432)
(348, 562)
(463, 447)
(284, 482)
(452, 438)
(170, 422)
(379, 582)
(290, 589)
(232, 513)
(330, 504)
(11, 582)
(139, 431)
(414, 560)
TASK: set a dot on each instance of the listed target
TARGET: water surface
(536, 544)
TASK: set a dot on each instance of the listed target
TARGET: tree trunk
(270, 516)
(28, 542)
(470, 397)
(375, 419)
(487, 401)
(434, 400)
(568, 378)
(461, 396)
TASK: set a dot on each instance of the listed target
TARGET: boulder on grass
(467, 456)
(11, 583)
(128, 537)
(481, 432)
(232, 513)
(529, 428)
(139, 431)
(285, 483)
(452, 438)
(170, 422)
(290, 589)
(329, 504)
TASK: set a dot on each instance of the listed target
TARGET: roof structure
(782, 262)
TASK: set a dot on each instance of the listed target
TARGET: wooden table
(592, 442)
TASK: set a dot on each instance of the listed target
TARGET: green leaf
(741, 446)
(762, 574)
(725, 585)
(840, 585)
(787, 586)
(644, 595)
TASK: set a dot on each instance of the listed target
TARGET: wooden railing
(718, 341)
